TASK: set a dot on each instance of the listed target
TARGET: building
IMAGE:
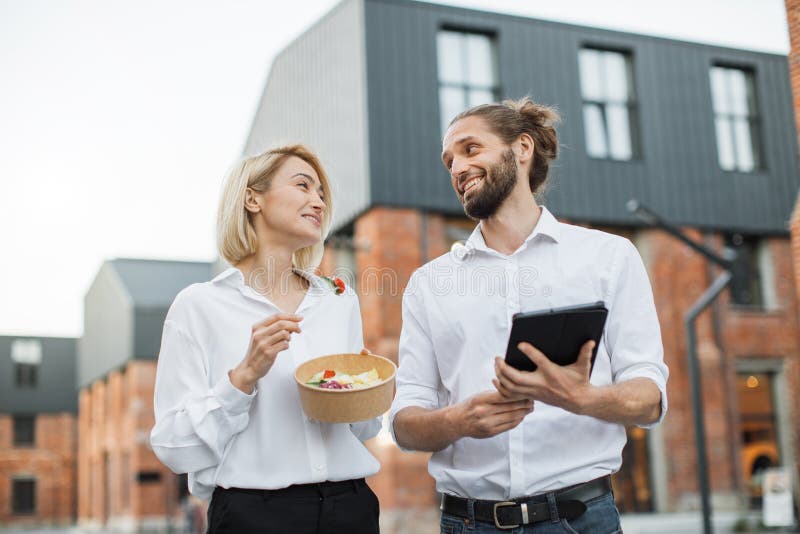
(121, 484)
(703, 135)
(37, 431)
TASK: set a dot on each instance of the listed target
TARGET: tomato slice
(328, 374)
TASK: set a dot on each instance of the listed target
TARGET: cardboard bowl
(346, 405)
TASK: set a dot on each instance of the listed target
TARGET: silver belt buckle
(505, 504)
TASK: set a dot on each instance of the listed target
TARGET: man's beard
(498, 183)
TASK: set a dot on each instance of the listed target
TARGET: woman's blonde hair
(236, 235)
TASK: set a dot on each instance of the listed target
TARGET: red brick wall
(794, 226)
(51, 461)
(390, 249)
(115, 419)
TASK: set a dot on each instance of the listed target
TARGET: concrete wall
(107, 340)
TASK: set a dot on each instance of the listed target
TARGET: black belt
(570, 503)
(319, 489)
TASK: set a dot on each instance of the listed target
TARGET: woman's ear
(251, 201)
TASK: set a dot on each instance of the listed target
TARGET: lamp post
(726, 263)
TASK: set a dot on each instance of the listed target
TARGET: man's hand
(489, 413)
(481, 416)
(565, 387)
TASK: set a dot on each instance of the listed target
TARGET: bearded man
(498, 462)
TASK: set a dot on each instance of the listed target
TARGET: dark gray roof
(154, 283)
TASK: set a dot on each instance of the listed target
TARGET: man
(498, 461)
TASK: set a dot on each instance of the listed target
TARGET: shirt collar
(234, 276)
(547, 225)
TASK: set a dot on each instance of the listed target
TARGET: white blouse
(221, 436)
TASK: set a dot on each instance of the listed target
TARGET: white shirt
(457, 313)
(221, 436)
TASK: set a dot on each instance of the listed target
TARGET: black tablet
(558, 332)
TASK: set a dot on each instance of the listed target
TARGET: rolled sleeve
(418, 380)
(633, 334)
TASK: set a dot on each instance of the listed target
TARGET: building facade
(703, 135)
(37, 431)
(121, 484)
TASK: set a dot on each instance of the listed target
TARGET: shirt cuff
(417, 396)
(232, 399)
(660, 383)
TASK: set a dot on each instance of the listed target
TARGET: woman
(226, 404)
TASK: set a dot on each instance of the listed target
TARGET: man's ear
(250, 203)
(523, 148)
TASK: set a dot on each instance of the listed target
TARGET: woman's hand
(267, 339)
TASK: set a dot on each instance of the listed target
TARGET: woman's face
(293, 207)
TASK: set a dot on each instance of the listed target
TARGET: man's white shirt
(457, 314)
(223, 437)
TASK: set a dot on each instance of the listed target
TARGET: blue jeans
(601, 517)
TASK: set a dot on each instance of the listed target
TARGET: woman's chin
(309, 239)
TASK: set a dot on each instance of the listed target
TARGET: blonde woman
(227, 409)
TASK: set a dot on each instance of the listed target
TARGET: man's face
(483, 170)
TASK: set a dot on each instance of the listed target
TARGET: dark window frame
(465, 87)
(26, 375)
(746, 274)
(23, 496)
(24, 437)
(631, 104)
(753, 118)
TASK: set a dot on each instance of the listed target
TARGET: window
(24, 430)
(632, 483)
(27, 375)
(752, 284)
(735, 119)
(23, 496)
(609, 104)
(758, 429)
(26, 355)
(467, 72)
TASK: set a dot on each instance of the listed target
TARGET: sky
(118, 120)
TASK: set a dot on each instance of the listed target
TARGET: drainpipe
(709, 295)
(730, 385)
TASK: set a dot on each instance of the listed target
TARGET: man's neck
(508, 229)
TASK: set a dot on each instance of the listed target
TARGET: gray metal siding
(55, 391)
(149, 325)
(405, 142)
(678, 174)
(316, 95)
(107, 341)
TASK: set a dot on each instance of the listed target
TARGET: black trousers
(347, 507)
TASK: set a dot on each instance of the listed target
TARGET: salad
(329, 379)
